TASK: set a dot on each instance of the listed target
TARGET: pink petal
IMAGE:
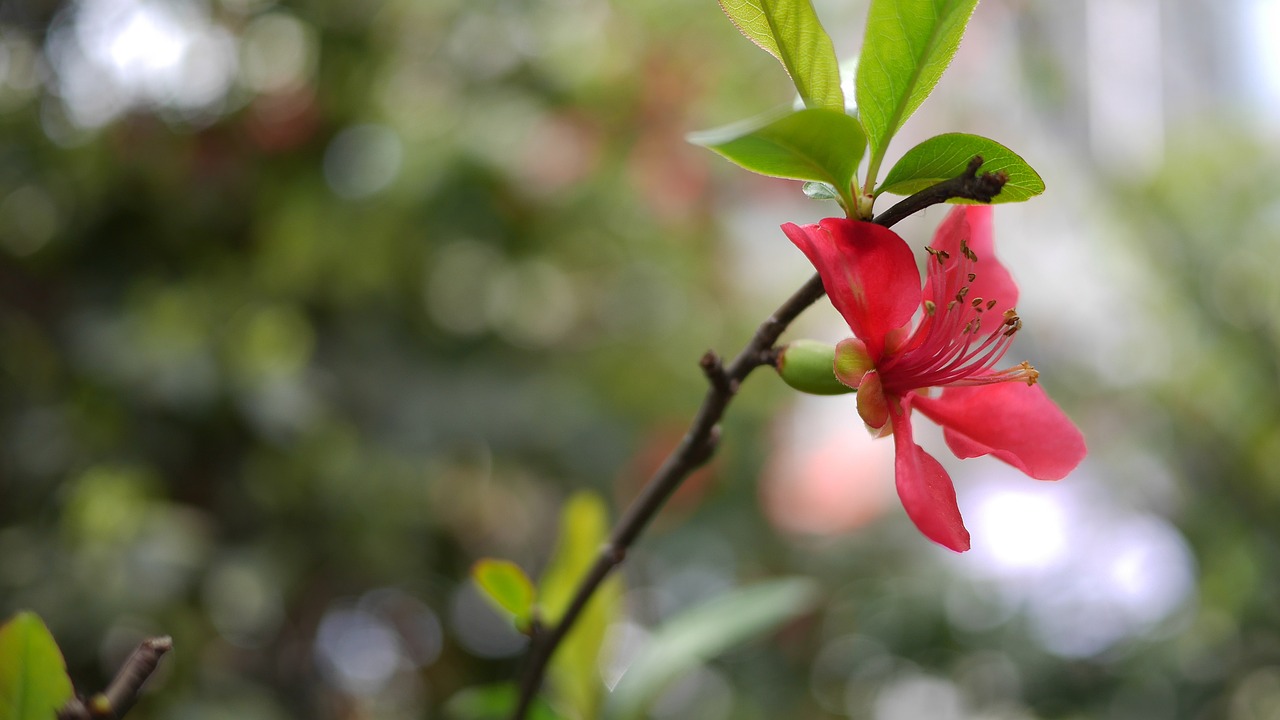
(972, 223)
(867, 270)
(1014, 422)
(924, 486)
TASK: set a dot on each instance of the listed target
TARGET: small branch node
(713, 368)
(713, 440)
(971, 170)
(615, 554)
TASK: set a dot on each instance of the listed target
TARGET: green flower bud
(809, 366)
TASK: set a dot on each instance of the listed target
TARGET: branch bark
(122, 693)
(703, 436)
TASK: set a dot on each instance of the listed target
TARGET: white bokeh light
(363, 160)
(113, 55)
(358, 650)
(1087, 572)
(1024, 530)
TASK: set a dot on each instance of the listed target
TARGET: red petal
(1018, 424)
(867, 270)
(925, 488)
(972, 223)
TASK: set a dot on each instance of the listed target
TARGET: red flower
(967, 322)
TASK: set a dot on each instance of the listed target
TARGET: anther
(1032, 374)
(929, 307)
(973, 276)
(977, 303)
(991, 303)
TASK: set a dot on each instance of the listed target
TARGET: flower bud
(809, 366)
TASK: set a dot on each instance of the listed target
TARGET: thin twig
(703, 436)
(122, 693)
(969, 185)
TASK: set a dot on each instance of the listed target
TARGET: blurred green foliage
(278, 366)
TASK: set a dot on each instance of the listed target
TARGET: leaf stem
(703, 436)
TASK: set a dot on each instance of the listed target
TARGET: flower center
(959, 340)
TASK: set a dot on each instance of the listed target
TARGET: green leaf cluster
(584, 527)
(907, 46)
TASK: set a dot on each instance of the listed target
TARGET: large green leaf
(33, 674)
(575, 678)
(946, 156)
(507, 587)
(789, 30)
(703, 632)
(813, 144)
(907, 46)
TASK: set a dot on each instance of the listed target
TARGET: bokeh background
(306, 306)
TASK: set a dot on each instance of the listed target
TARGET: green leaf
(492, 702)
(33, 674)
(789, 30)
(907, 46)
(507, 587)
(818, 145)
(946, 156)
(705, 631)
(575, 678)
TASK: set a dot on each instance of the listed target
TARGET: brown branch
(700, 442)
(122, 693)
(968, 185)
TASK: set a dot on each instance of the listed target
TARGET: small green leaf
(492, 702)
(789, 30)
(818, 145)
(33, 674)
(575, 678)
(705, 631)
(946, 156)
(507, 587)
(907, 46)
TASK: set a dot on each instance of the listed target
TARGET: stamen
(1032, 374)
(991, 303)
(977, 304)
(973, 276)
(929, 307)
